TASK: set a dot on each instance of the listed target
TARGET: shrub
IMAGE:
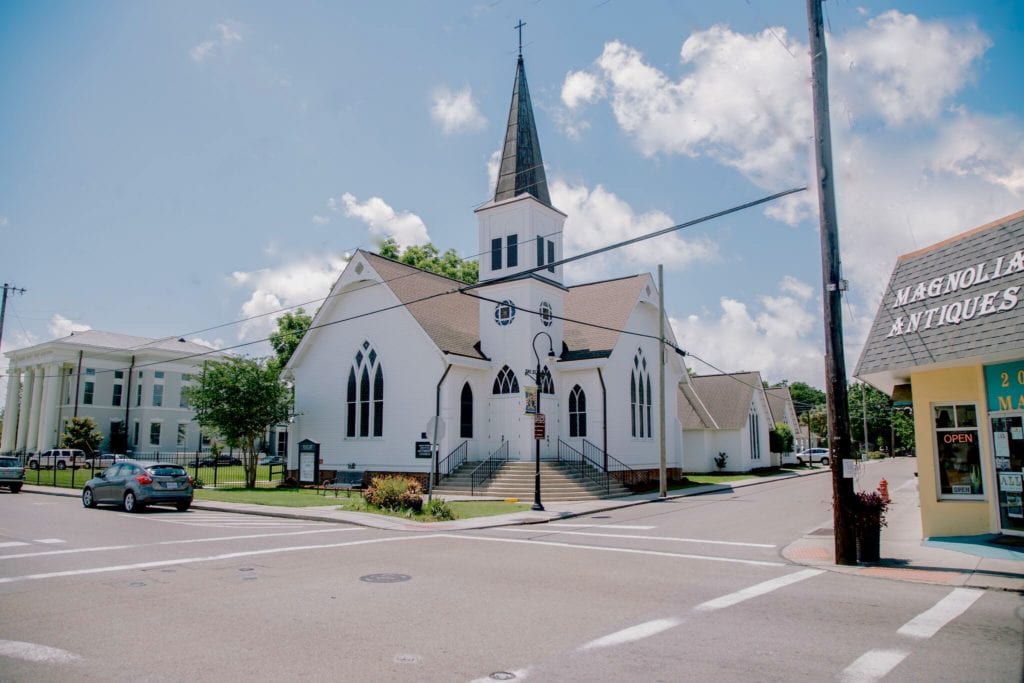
(720, 460)
(197, 483)
(869, 510)
(394, 493)
(439, 509)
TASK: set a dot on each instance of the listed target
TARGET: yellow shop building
(949, 337)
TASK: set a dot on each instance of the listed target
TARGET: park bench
(344, 480)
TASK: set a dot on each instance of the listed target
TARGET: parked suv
(61, 458)
(809, 455)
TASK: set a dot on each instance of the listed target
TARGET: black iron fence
(224, 471)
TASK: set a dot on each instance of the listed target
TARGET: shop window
(959, 452)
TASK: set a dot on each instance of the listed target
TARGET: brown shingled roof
(608, 303)
(452, 321)
(725, 399)
(778, 397)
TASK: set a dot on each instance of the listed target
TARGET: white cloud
(903, 69)
(228, 32)
(321, 220)
(456, 112)
(292, 283)
(912, 165)
(778, 336)
(493, 167)
(217, 343)
(407, 228)
(61, 327)
(581, 86)
(597, 217)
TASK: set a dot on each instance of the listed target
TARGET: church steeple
(522, 168)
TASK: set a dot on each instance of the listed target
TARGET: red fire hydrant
(883, 490)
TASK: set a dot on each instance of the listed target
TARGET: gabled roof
(522, 168)
(778, 397)
(450, 319)
(608, 303)
(113, 341)
(951, 303)
(717, 401)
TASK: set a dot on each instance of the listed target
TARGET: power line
(466, 288)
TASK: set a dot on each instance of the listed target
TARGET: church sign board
(539, 422)
(309, 461)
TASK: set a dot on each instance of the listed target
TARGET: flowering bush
(394, 493)
(869, 509)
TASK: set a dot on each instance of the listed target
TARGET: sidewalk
(962, 561)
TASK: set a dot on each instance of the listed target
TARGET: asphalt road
(691, 589)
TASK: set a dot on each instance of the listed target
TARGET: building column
(48, 408)
(11, 410)
(33, 416)
(26, 408)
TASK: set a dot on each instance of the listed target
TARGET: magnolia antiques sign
(997, 300)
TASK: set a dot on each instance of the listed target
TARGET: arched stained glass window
(466, 412)
(365, 395)
(640, 397)
(577, 412)
(506, 382)
(547, 384)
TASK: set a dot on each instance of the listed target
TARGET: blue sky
(169, 168)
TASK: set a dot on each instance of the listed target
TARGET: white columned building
(122, 382)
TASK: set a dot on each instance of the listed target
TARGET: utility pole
(662, 472)
(3, 305)
(832, 286)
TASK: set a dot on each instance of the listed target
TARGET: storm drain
(502, 676)
(385, 578)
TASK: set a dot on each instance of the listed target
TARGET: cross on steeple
(520, 26)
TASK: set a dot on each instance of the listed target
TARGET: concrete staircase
(515, 479)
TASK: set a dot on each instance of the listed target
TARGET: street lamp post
(538, 376)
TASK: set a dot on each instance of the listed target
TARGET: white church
(393, 347)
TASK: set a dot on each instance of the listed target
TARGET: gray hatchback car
(134, 484)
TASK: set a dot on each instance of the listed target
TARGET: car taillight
(189, 480)
(144, 479)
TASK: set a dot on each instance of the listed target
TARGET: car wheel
(61, 465)
(800, 461)
(15, 488)
(824, 461)
(33, 464)
(183, 506)
(131, 503)
(88, 499)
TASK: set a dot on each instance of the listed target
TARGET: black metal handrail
(488, 467)
(625, 474)
(451, 462)
(583, 466)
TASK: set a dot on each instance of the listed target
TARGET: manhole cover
(385, 578)
(249, 578)
(245, 569)
(502, 676)
(136, 584)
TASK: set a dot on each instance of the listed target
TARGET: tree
(817, 420)
(805, 397)
(427, 257)
(780, 438)
(291, 327)
(82, 434)
(884, 424)
(240, 398)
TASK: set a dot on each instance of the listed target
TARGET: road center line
(757, 590)
(12, 544)
(635, 527)
(208, 558)
(638, 537)
(927, 624)
(872, 666)
(75, 551)
(633, 633)
(32, 652)
(628, 551)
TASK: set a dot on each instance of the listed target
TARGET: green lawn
(702, 479)
(225, 476)
(350, 503)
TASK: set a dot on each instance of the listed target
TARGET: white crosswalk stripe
(225, 520)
